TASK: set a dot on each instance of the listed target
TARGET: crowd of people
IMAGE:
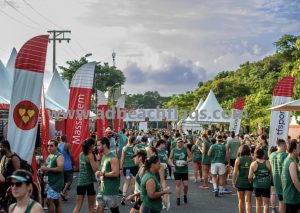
(145, 161)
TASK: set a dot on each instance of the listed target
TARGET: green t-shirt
(86, 175)
(110, 185)
(290, 193)
(206, 160)
(218, 153)
(153, 204)
(233, 148)
(162, 154)
(277, 159)
(180, 155)
(197, 154)
(262, 177)
(128, 154)
(55, 179)
(243, 172)
(141, 146)
(190, 138)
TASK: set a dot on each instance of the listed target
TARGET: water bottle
(128, 174)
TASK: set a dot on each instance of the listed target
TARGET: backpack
(24, 164)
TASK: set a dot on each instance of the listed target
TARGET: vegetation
(255, 81)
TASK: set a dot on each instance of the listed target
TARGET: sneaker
(178, 201)
(216, 192)
(210, 181)
(169, 178)
(164, 207)
(123, 201)
(221, 194)
(185, 199)
(273, 210)
(227, 191)
(204, 186)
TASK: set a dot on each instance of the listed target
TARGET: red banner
(45, 129)
(102, 121)
(79, 106)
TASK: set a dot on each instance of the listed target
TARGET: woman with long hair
(197, 158)
(86, 177)
(128, 166)
(151, 192)
(22, 188)
(240, 178)
(260, 175)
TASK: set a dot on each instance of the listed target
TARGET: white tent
(57, 94)
(210, 112)
(290, 106)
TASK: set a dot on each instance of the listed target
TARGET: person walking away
(276, 159)
(290, 179)
(240, 179)
(179, 158)
(86, 177)
(128, 167)
(54, 170)
(232, 147)
(151, 192)
(109, 175)
(22, 187)
(260, 175)
(219, 156)
(206, 160)
(197, 158)
(122, 139)
(66, 150)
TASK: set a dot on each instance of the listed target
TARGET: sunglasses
(51, 145)
(17, 184)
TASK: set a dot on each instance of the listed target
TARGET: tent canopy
(290, 106)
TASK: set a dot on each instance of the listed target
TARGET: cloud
(174, 75)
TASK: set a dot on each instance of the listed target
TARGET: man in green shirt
(219, 156)
(109, 175)
(276, 159)
(290, 179)
(232, 147)
(54, 169)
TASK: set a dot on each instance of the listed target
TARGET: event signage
(235, 122)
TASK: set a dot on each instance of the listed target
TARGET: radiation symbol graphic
(26, 115)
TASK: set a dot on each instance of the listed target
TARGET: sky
(167, 46)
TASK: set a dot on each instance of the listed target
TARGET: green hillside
(255, 81)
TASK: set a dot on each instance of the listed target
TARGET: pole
(55, 37)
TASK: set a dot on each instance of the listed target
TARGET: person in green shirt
(206, 161)
(109, 175)
(151, 191)
(197, 158)
(240, 178)
(232, 147)
(260, 175)
(277, 159)
(54, 169)
(128, 167)
(290, 179)
(179, 158)
(86, 176)
(219, 157)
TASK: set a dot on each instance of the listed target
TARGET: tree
(105, 75)
(148, 100)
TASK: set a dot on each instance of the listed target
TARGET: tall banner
(119, 115)
(26, 96)
(79, 106)
(45, 127)
(102, 119)
(236, 116)
(279, 122)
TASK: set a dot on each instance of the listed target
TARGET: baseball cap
(141, 153)
(22, 176)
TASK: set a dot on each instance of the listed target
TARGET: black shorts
(245, 189)
(133, 170)
(68, 176)
(259, 192)
(232, 162)
(181, 176)
(137, 204)
(292, 208)
(89, 189)
(280, 197)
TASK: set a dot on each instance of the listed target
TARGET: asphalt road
(199, 200)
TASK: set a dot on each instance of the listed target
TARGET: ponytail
(148, 163)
